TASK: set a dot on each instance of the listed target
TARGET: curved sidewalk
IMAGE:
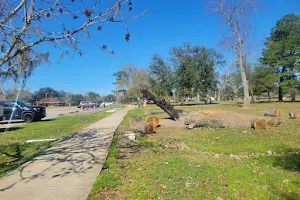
(67, 170)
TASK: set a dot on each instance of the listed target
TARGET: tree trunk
(219, 95)
(280, 91)
(280, 94)
(198, 97)
(293, 97)
(244, 79)
(164, 105)
(269, 96)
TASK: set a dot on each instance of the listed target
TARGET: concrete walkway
(67, 170)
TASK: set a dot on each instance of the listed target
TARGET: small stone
(269, 152)
(219, 198)
(131, 136)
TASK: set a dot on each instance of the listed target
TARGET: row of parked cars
(10, 110)
(89, 104)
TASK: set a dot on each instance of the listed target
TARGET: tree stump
(295, 114)
(272, 112)
(259, 124)
(153, 120)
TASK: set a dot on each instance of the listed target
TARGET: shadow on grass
(289, 196)
(12, 122)
(2, 130)
(196, 104)
(47, 120)
(288, 162)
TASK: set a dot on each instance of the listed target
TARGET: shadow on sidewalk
(72, 156)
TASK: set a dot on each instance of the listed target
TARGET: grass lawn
(207, 163)
(13, 149)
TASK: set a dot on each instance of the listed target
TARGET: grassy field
(13, 149)
(208, 163)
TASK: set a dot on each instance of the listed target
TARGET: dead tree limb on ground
(193, 123)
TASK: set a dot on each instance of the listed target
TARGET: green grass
(159, 171)
(110, 175)
(13, 149)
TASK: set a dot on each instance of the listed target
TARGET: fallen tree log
(273, 123)
(164, 105)
(295, 114)
(193, 123)
(272, 112)
(259, 124)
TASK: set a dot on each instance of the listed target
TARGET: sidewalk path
(67, 170)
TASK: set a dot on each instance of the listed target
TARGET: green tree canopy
(161, 78)
(282, 52)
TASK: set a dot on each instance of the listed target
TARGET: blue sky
(167, 23)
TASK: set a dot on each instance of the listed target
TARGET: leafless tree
(25, 25)
(236, 14)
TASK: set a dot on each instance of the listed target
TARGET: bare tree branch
(23, 27)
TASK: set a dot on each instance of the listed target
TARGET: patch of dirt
(110, 194)
(229, 118)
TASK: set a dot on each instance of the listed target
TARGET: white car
(105, 104)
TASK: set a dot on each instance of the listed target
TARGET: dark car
(20, 110)
(87, 104)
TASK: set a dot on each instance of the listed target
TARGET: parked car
(87, 104)
(20, 110)
(149, 102)
(104, 104)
